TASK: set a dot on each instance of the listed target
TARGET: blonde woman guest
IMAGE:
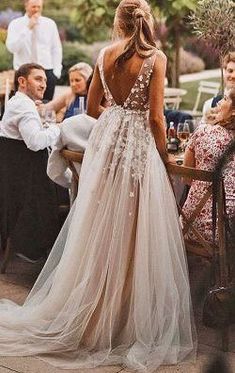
(67, 104)
(205, 147)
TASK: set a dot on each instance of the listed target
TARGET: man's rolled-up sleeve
(35, 137)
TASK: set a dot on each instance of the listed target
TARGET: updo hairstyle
(133, 20)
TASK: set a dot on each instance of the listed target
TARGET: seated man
(229, 81)
(74, 135)
(28, 204)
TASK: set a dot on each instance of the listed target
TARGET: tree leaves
(214, 21)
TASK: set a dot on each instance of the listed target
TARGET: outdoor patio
(15, 284)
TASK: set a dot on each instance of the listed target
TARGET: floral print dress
(209, 143)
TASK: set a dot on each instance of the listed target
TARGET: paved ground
(20, 277)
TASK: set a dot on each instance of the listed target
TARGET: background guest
(68, 104)
(34, 38)
(229, 81)
(205, 147)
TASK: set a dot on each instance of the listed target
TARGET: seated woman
(67, 104)
(205, 147)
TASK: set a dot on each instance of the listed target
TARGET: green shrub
(72, 54)
(5, 58)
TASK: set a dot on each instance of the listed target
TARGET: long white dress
(114, 289)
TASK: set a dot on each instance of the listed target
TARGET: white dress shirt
(21, 121)
(48, 46)
(74, 135)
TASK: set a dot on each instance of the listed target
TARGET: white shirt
(207, 104)
(74, 135)
(21, 121)
(49, 49)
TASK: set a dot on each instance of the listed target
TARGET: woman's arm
(189, 161)
(95, 95)
(156, 100)
(60, 102)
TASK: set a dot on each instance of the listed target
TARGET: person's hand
(213, 116)
(33, 21)
(171, 158)
(38, 103)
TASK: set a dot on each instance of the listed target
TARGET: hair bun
(139, 13)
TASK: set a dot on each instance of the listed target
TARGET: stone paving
(16, 283)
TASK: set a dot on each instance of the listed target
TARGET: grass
(190, 97)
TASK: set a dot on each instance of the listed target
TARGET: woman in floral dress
(205, 147)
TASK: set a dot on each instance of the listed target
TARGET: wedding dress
(114, 289)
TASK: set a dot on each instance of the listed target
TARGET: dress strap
(100, 63)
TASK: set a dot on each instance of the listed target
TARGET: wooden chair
(72, 157)
(215, 252)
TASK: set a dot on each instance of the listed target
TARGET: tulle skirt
(115, 288)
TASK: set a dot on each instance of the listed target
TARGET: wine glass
(183, 134)
(191, 124)
(50, 117)
(186, 133)
(42, 113)
(180, 129)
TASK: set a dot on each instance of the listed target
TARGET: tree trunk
(173, 67)
(176, 67)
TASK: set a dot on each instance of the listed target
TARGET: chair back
(172, 103)
(205, 88)
(215, 250)
(72, 157)
(28, 199)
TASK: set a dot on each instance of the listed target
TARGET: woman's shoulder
(107, 49)
(216, 130)
(209, 136)
(160, 54)
(160, 58)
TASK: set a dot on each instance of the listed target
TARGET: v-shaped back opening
(132, 86)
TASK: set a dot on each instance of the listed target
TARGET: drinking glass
(183, 134)
(191, 124)
(186, 133)
(180, 129)
(76, 111)
(50, 116)
(81, 108)
(42, 113)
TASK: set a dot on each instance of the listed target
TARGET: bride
(115, 288)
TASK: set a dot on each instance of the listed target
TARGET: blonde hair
(83, 68)
(213, 116)
(230, 56)
(133, 19)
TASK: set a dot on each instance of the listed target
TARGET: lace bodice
(138, 98)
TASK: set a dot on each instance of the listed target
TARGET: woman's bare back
(120, 80)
